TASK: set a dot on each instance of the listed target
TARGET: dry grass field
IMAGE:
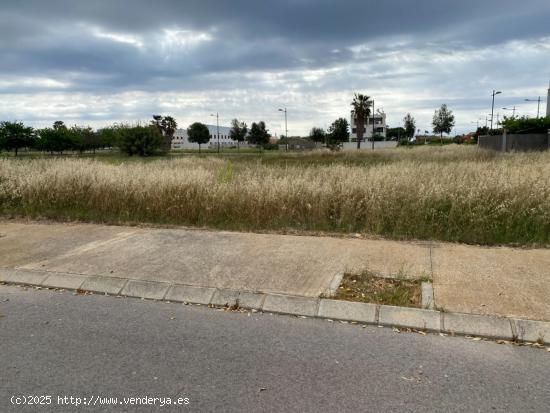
(452, 193)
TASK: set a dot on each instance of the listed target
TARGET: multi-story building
(380, 127)
(181, 140)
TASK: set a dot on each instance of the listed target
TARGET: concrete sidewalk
(503, 281)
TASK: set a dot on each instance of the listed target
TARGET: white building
(181, 140)
(380, 127)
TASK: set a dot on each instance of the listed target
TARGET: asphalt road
(59, 344)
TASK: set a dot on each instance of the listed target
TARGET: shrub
(140, 140)
(526, 125)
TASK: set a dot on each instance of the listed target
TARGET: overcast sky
(101, 61)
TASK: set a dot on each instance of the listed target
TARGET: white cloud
(183, 39)
(23, 82)
(124, 38)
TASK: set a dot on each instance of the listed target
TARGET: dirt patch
(368, 288)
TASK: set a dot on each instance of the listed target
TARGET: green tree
(338, 132)
(59, 124)
(361, 111)
(258, 134)
(317, 135)
(443, 121)
(15, 135)
(198, 133)
(108, 136)
(58, 138)
(167, 126)
(238, 131)
(410, 126)
(87, 139)
(140, 140)
(397, 133)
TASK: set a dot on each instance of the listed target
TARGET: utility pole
(513, 111)
(493, 106)
(373, 122)
(538, 105)
(399, 132)
(217, 128)
(286, 124)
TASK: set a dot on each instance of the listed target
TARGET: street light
(477, 121)
(217, 128)
(538, 106)
(513, 111)
(493, 106)
(373, 122)
(286, 125)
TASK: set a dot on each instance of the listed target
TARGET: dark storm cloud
(288, 50)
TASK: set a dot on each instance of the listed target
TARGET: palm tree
(361, 109)
(167, 126)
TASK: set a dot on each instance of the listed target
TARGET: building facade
(181, 140)
(380, 127)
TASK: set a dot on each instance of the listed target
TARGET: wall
(366, 146)
(527, 142)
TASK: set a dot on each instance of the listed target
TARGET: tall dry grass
(455, 194)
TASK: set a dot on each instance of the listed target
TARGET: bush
(525, 125)
(140, 140)
(271, 147)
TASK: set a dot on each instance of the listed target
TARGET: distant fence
(348, 146)
(515, 142)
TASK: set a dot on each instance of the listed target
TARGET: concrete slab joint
(530, 330)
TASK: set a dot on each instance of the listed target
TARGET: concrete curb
(421, 319)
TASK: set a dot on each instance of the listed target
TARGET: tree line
(362, 105)
(257, 135)
(142, 140)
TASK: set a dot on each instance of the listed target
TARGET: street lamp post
(513, 111)
(373, 122)
(217, 128)
(538, 105)
(493, 106)
(286, 124)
